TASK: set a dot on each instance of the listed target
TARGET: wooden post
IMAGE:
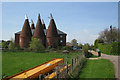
(77, 60)
(41, 77)
(67, 67)
(57, 72)
(71, 64)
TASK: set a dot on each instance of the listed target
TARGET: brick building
(51, 37)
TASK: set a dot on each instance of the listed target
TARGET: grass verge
(98, 69)
(14, 62)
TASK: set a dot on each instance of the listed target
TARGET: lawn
(14, 62)
(98, 69)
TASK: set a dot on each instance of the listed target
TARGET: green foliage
(5, 44)
(85, 49)
(80, 45)
(115, 48)
(52, 49)
(67, 48)
(0, 44)
(96, 43)
(11, 46)
(77, 70)
(74, 42)
(105, 48)
(112, 49)
(36, 45)
(17, 48)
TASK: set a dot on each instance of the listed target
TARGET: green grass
(14, 62)
(98, 69)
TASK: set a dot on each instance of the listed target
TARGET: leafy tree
(98, 41)
(4, 44)
(74, 42)
(11, 46)
(80, 45)
(67, 48)
(36, 45)
(109, 35)
(91, 47)
(85, 49)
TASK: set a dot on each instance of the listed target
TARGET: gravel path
(114, 59)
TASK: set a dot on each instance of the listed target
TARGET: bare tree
(109, 35)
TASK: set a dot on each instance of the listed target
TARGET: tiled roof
(26, 31)
(45, 30)
(52, 29)
(39, 31)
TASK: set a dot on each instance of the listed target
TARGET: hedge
(111, 49)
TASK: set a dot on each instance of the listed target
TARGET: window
(20, 40)
(61, 41)
(61, 36)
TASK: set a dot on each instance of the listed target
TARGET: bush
(67, 48)
(17, 48)
(115, 48)
(11, 46)
(105, 48)
(36, 45)
(112, 49)
(96, 42)
(85, 51)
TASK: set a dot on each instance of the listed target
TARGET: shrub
(36, 45)
(115, 48)
(85, 51)
(96, 42)
(105, 48)
(112, 49)
(18, 48)
(11, 46)
(67, 48)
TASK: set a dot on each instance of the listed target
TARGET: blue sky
(80, 20)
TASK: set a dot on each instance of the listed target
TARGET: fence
(64, 70)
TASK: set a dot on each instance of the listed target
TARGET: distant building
(51, 37)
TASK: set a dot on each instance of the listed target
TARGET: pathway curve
(114, 59)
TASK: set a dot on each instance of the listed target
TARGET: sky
(80, 20)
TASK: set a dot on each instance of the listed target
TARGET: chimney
(32, 25)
